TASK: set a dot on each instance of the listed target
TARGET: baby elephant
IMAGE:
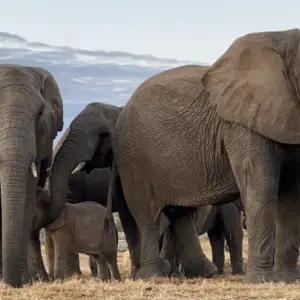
(87, 228)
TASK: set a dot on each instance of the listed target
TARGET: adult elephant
(87, 146)
(220, 222)
(31, 114)
(205, 135)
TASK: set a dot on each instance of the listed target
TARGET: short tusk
(33, 169)
(79, 167)
(48, 169)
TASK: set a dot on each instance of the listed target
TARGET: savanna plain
(220, 288)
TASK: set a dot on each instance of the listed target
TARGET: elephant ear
(52, 117)
(254, 83)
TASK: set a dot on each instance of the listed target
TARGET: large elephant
(85, 146)
(197, 135)
(220, 222)
(31, 114)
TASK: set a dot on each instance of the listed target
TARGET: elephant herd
(193, 148)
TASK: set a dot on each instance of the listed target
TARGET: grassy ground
(220, 288)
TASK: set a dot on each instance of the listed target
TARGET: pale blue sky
(185, 29)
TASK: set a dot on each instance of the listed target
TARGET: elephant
(31, 116)
(86, 145)
(220, 222)
(86, 227)
(197, 135)
(82, 187)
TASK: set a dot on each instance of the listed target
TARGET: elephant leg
(93, 266)
(60, 260)
(193, 260)
(132, 237)
(49, 247)
(102, 268)
(113, 267)
(233, 231)
(288, 225)
(257, 171)
(169, 251)
(217, 240)
(72, 265)
(36, 265)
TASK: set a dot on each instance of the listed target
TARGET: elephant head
(31, 114)
(85, 146)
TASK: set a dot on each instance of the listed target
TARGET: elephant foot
(288, 276)
(204, 268)
(275, 277)
(151, 271)
(238, 272)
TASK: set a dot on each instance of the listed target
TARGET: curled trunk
(66, 159)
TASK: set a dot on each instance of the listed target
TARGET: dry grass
(220, 288)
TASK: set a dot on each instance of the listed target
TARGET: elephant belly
(176, 155)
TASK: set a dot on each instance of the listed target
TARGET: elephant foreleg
(49, 247)
(257, 171)
(288, 224)
(217, 240)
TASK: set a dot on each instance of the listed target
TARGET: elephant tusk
(33, 170)
(49, 168)
(79, 167)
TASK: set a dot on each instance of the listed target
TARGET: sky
(195, 30)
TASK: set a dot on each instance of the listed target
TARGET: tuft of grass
(219, 288)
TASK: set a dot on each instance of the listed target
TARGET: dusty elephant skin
(220, 222)
(87, 228)
(85, 146)
(31, 114)
(214, 133)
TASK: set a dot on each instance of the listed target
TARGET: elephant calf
(81, 228)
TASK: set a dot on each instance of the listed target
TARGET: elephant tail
(111, 190)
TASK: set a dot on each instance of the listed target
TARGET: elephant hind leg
(193, 260)
(147, 216)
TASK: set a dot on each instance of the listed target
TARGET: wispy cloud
(85, 76)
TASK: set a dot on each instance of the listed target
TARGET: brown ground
(220, 288)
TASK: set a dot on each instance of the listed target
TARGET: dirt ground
(218, 288)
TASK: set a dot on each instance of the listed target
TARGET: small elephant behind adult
(87, 228)
(220, 222)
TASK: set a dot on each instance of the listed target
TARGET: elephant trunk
(17, 155)
(65, 161)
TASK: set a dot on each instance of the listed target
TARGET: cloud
(85, 76)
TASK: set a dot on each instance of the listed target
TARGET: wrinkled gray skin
(86, 145)
(87, 228)
(31, 114)
(193, 135)
(220, 222)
